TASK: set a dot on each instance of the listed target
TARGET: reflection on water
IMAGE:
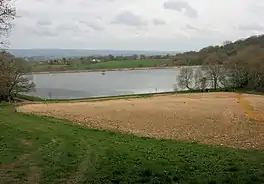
(113, 83)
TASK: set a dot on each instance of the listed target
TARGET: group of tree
(238, 65)
(228, 48)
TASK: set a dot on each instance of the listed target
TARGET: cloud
(138, 24)
(23, 13)
(92, 26)
(181, 6)
(66, 27)
(129, 18)
(40, 31)
(158, 22)
(190, 27)
(250, 27)
(44, 22)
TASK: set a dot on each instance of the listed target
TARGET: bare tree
(13, 75)
(198, 75)
(213, 67)
(185, 79)
(7, 14)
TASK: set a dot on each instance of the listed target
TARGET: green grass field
(127, 64)
(36, 149)
(102, 65)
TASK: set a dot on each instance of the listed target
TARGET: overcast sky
(173, 25)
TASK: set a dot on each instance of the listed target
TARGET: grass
(127, 64)
(36, 149)
(102, 65)
(29, 98)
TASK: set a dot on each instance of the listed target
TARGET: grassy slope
(103, 65)
(39, 149)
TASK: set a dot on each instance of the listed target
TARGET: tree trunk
(215, 83)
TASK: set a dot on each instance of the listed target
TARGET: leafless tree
(185, 79)
(198, 75)
(213, 67)
(13, 75)
(7, 14)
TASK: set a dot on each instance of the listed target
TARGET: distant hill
(60, 53)
(229, 48)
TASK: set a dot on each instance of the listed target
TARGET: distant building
(95, 61)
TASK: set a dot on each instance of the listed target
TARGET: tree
(13, 75)
(185, 79)
(213, 67)
(203, 83)
(7, 14)
(246, 69)
(198, 75)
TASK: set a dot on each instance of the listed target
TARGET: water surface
(95, 84)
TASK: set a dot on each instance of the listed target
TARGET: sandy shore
(227, 119)
(103, 70)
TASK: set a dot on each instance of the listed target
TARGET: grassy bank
(46, 150)
(102, 65)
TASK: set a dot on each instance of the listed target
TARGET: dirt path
(228, 119)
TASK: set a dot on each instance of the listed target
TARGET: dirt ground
(227, 119)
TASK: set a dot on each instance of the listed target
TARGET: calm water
(94, 84)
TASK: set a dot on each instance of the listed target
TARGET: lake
(95, 84)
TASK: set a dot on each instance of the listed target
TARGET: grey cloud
(41, 32)
(67, 27)
(46, 33)
(159, 22)
(181, 6)
(93, 26)
(22, 13)
(129, 18)
(190, 27)
(250, 27)
(44, 22)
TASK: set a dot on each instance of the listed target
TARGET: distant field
(102, 65)
(127, 64)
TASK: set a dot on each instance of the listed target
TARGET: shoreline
(104, 70)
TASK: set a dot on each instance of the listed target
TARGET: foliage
(246, 69)
(236, 65)
(228, 48)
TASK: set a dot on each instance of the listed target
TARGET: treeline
(234, 65)
(228, 48)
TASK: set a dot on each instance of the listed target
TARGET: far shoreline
(105, 70)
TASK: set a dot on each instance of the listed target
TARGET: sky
(165, 25)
